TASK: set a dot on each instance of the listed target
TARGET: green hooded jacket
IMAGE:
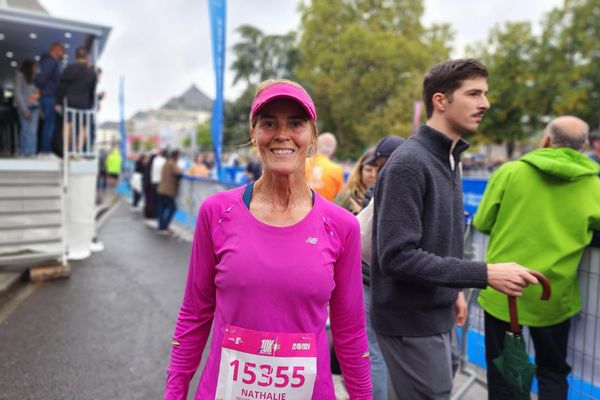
(540, 212)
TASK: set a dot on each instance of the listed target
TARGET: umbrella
(513, 363)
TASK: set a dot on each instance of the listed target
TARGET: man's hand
(509, 278)
(461, 309)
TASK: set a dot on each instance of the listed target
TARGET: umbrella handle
(512, 300)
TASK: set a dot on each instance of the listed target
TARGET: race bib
(265, 365)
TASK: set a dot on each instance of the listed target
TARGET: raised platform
(50, 163)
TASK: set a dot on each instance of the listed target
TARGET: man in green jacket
(540, 211)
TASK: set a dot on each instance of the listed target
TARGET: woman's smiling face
(283, 133)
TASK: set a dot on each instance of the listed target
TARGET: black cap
(594, 135)
(385, 147)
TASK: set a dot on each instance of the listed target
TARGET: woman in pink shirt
(267, 262)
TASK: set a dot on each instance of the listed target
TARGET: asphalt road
(105, 332)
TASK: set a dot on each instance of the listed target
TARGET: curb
(9, 282)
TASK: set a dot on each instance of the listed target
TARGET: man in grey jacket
(418, 222)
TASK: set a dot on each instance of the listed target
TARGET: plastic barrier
(192, 192)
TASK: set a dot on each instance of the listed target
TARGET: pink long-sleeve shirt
(255, 276)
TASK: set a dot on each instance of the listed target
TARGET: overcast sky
(162, 47)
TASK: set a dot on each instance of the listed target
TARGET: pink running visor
(280, 90)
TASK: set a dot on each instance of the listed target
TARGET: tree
(259, 56)
(569, 77)
(533, 79)
(187, 142)
(508, 55)
(256, 57)
(203, 137)
(363, 63)
(236, 130)
(148, 144)
(136, 145)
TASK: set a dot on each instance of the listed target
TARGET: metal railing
(78, 134)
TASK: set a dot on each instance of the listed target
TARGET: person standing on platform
(540, 211)
(269, 259)
(77, 87)
(323, 175)
(418, 219)
(47, 82)
(26, 101)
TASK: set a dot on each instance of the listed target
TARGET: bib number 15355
(263, 375)
(264, 365)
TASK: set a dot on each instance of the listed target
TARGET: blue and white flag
(218, 29)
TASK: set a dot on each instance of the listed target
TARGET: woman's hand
(35, 95)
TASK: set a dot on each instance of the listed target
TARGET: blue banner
(122, 120)
(473, 189)
(217, 25)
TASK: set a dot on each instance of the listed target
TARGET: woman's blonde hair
(354, 183)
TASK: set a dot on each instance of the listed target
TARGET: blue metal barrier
(473, 189)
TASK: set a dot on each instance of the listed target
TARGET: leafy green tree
(136, 145)
(203, 138)
(187, 142)
(363, 62)
(568, 59)
(257, 57)
(508, 55)
(148, 144)
(535, 78)
(236, 130)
